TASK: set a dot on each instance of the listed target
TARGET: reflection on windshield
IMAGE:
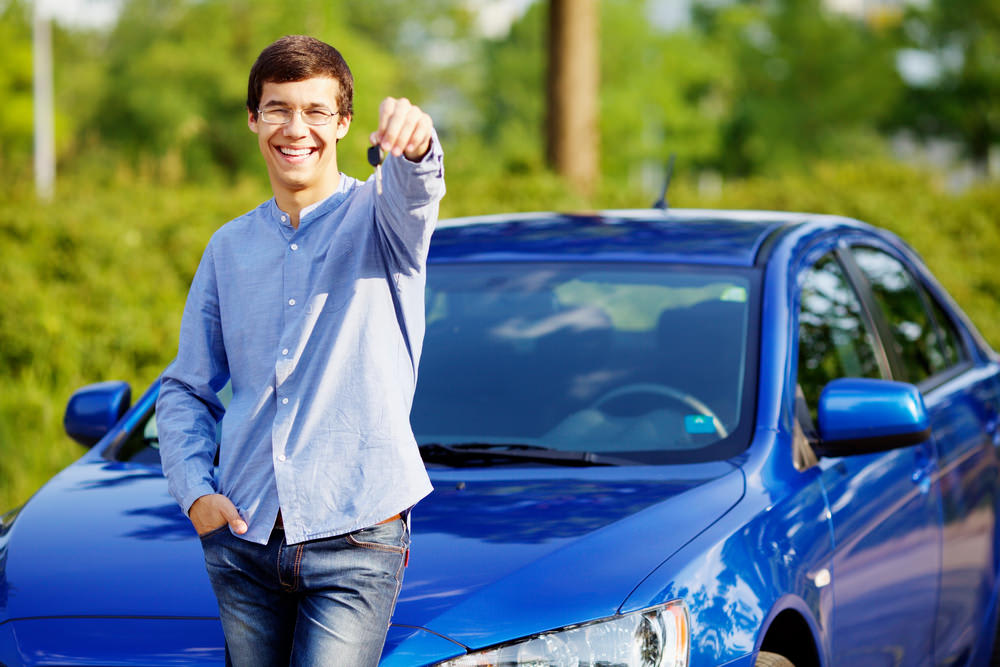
(584, 357)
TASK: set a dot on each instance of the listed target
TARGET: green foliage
(808, 85)
(661, 93)
(960, 99)
(511, 101)
(93, 288)
(15, 83)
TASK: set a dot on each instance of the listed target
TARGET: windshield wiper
(486, 453)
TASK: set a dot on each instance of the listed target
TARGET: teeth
(295, 152)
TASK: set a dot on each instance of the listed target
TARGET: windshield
(649, 360)
(522, 362)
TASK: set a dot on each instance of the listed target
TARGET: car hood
(495, 550)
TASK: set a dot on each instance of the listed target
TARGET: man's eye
(317, 115)
(279, 115)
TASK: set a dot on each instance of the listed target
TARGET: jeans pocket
(390, 537)
(214, 532)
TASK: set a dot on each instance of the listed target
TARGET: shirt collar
(314, 210)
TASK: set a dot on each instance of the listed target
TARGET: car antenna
(661, 203)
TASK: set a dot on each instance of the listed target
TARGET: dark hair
(296, 58)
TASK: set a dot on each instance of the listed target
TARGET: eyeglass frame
(301, 112)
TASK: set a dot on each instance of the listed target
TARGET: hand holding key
(403, 129)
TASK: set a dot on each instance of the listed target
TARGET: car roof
(696, 236)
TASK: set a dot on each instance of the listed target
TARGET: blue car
(657, 438)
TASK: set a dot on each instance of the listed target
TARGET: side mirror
(861, 416)
(94, 409)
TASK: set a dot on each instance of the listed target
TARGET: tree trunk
(572, 138)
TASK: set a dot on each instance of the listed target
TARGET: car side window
(915, 337)
(954, 352)
(143, 443)
(834, 340)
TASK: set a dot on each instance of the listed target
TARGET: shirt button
(295, 246)
(281, 457)
(285, 352)
(284, 401)
(283, 218)
(291, 302)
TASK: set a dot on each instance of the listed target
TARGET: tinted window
(950, 341)
(834, 341)
(143, 443)
(914, 336)
(581, 357)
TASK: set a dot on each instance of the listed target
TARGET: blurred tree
(958, 94)
(16, 124)
(572, 90)
(660, 93)
(809, 83)
(510, 100)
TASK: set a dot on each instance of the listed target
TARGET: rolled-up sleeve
(188, 407)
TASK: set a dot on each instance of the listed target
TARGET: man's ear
(252, 121)
(343, 125)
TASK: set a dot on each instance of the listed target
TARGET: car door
(929, 347)
(884, 510)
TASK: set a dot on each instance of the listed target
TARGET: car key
(375, 159)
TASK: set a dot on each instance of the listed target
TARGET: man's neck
(293, 201)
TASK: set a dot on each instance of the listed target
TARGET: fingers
(403, 129)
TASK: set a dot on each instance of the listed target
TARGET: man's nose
(296, 127)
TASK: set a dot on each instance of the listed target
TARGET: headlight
(655, 637)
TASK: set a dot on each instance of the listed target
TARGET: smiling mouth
(295, 153)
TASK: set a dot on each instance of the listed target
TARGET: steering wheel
(681, 397)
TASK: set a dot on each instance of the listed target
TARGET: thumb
(236, 522)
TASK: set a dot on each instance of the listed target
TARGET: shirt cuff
(188, 498)
(430, 162)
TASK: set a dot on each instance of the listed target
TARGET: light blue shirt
(319, 329)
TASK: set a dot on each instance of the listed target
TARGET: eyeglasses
(280, 116)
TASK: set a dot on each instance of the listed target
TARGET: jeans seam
(375, 546)
(298, 564)
(294, 584)
(399, 579)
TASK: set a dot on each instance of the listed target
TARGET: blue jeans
(323, 602)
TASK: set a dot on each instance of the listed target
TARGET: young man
(311, 305)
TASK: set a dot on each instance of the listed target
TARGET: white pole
(45, 145)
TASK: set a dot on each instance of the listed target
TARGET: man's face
(301, 158)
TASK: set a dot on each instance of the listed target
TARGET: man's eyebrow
(286, 105)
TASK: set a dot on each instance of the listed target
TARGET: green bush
(93, 287)
(95, 283)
